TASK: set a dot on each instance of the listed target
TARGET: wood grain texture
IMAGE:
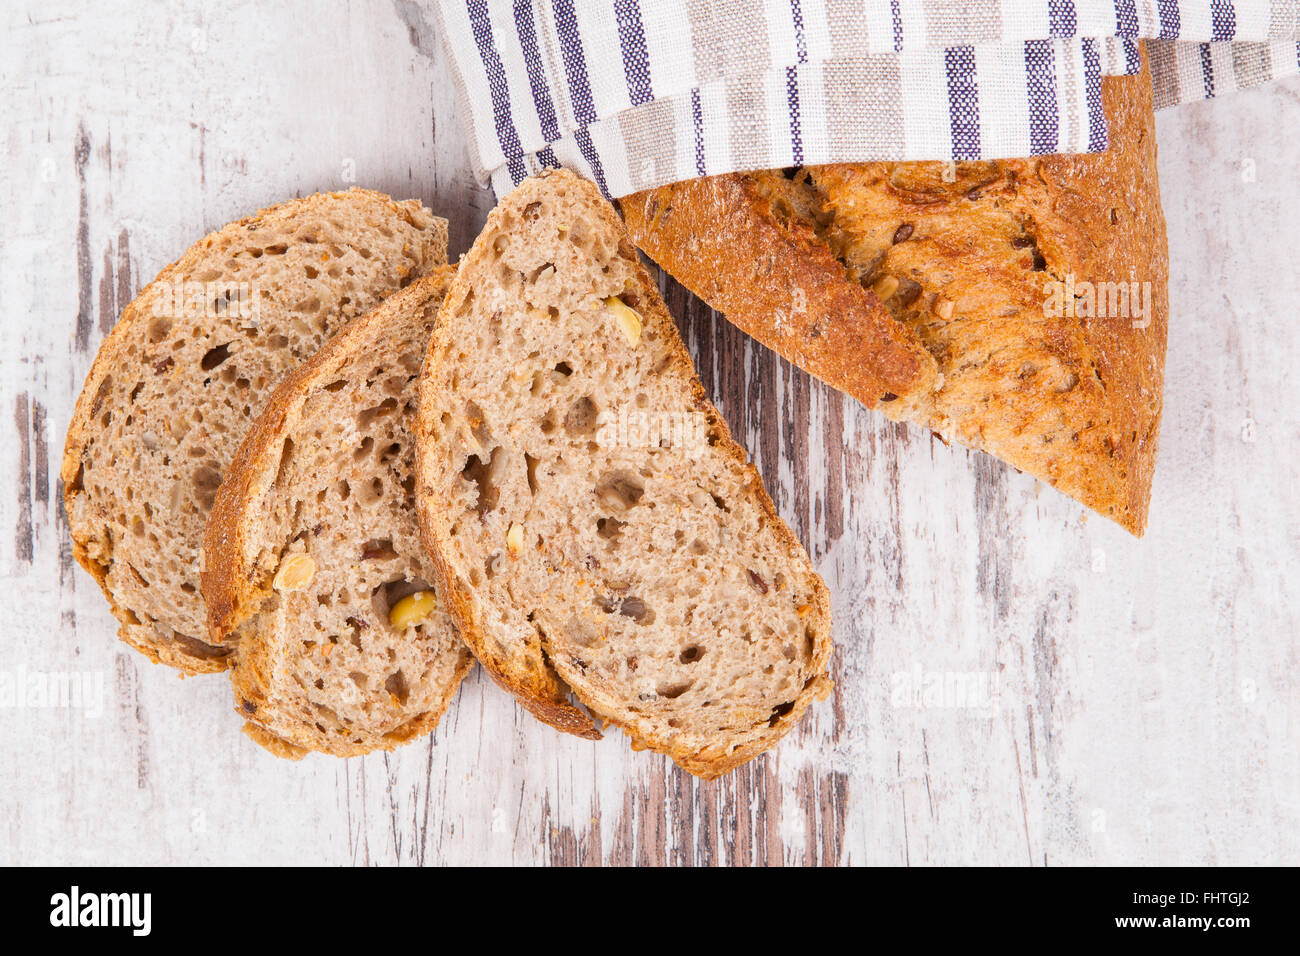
(1018, 683)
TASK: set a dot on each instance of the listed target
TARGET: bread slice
(182, 375)
(981, 264)
(596, 528)
(314, 564)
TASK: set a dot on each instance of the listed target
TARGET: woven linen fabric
(639, 93)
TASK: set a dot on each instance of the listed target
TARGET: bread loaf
(1036, 289)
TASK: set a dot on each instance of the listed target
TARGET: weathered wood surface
(1106, 700)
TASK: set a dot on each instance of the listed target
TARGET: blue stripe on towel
(1224, 17)
(583, 137)
(1063, 19)
(542, 101)
(575, 72)
(636, 58)
(546, 157)
(575, 62)
(963, 102)
(1132, 57)
(1126, 18)
(1098, 134)
(1040, 85)
(507, 135)
(796, 130)
(800, 37)
(1171, 21)
(697, 114)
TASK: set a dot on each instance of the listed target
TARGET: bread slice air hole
(206, 482)
(530, 464)
(779, 711)
(370, 491)
(396, 686)
(378, 549)
(674, 690)
(484, 476)
(159, 329)
(367, 418)
(581, 419)
(620, 491)
(478, 424)
(286, 460)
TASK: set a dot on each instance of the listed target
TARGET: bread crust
(728, 241)
(545, 698)
(277, 746)
(193, 655)
(1093, 218)
(233, 591)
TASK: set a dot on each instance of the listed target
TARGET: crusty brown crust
(192, 656)
(273, 744)
(731, 242)
(233, 591)
(546, 699)
(1095, 218)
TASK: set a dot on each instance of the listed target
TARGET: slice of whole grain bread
(180, 378)
(315, 570)
(596, 528)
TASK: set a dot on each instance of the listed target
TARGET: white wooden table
(1019, 682)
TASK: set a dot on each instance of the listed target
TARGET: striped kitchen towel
(638, 93)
